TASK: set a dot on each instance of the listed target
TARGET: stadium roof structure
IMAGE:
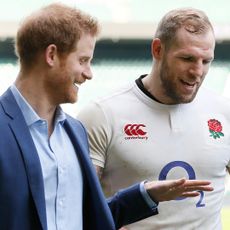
(121, 19)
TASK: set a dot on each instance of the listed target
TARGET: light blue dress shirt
(61, 171)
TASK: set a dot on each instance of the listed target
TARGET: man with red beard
(161, 127)
(47, 180)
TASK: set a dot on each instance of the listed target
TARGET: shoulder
(74, 122)
(103, 107)
(8, 106)
(213, 98)
(75, 125)
(75, 129)
(116, 95)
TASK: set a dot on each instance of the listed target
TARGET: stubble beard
(170, 87)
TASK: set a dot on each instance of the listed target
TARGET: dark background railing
(119, 49)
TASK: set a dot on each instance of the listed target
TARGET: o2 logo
(191, 175)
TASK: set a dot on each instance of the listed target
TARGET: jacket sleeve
(128, 206)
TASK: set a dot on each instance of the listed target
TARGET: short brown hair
(54, 24)
(192, 20)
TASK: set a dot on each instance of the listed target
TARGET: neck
(33, 92)
(153, 85)
(149, 85)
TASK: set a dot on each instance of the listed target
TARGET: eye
(83, 60)
(206, 62)
(188, 58)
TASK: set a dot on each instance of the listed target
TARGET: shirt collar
(28, 112)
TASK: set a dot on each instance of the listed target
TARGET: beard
(170, 86)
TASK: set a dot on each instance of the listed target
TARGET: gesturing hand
(171, 189)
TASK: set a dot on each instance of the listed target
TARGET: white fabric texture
(135, 138)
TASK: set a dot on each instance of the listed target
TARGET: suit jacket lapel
(29, 154)
(93, 195)
(79, 139)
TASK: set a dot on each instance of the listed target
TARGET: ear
(157, 48)
(51, 54)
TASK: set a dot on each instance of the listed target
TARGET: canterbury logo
(135, 131)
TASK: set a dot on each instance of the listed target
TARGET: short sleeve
(96, 124)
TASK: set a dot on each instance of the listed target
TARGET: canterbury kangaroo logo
(135, 129)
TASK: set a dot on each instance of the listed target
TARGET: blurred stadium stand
(128, 26)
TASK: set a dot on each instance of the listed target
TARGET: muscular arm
(98, 134)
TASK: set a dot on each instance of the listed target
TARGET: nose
(197, 69)
(87, 73)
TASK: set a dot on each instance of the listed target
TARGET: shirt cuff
(151, 203)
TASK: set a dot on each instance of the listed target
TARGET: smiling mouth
(188, 87)
(76, 85)
(188, 84)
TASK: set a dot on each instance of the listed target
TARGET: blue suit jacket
(22, 201)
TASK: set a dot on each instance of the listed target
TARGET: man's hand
(171, 189)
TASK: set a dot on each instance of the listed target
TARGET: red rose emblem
(215, 128)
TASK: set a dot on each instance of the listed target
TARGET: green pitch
(226, 218)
